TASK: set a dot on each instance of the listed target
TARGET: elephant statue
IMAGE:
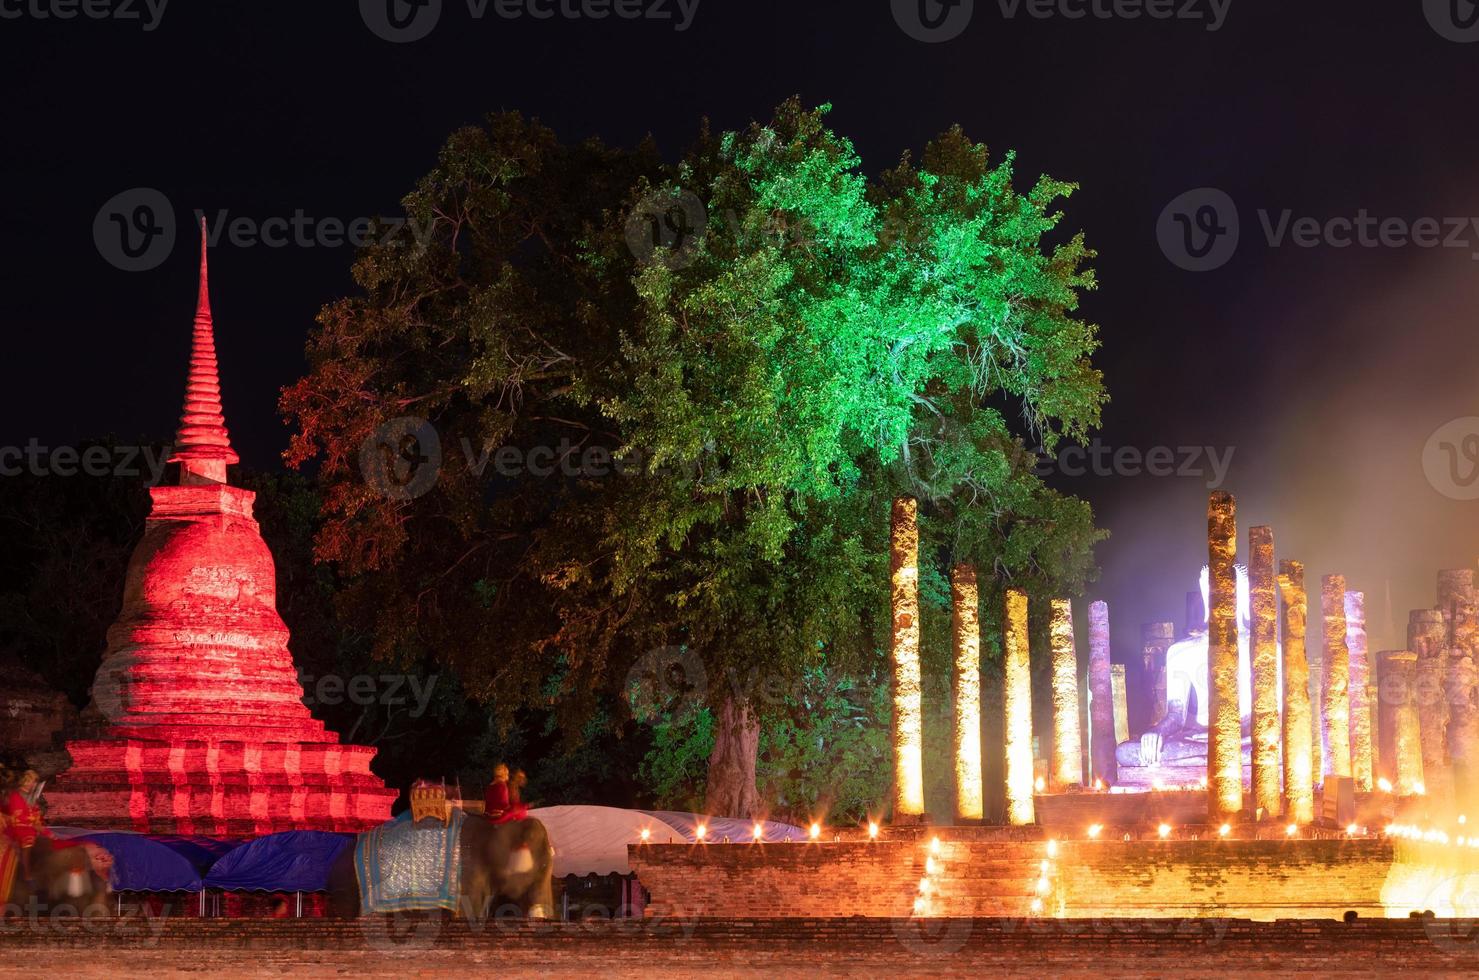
(503, 864)
(63, 883)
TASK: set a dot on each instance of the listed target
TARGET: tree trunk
(731, 787)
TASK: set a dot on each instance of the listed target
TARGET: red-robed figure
(501, 800)
(23, 820)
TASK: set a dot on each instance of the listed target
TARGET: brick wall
(984, 876)
(109, 948)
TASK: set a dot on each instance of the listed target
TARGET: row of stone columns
(1066, 763)
(1435, 681)
(1329, 723)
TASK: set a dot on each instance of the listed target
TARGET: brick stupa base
(197, 723)
(220, 789)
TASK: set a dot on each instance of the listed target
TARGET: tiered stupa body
(197, 723)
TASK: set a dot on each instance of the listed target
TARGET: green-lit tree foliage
(827, 343)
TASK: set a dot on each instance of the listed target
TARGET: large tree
(796, 347)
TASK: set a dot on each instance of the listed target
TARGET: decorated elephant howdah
(468, 865)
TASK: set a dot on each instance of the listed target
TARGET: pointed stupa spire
(202, 444)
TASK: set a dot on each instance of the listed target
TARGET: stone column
(1066, 767)
(1121, 703)
(1225, 730)
(1455, 588)
(1263, 649)
(908, 720)
(1101, 696)
(1299, 768)
(1315, 658)
(1406, 731)
(1463, 707)
(1017, 708)
(1427, 632)
(1337, 665)
(1360, 684)
(1385, 739)
(965, 601)
(1155, 640)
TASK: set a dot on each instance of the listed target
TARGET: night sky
(1325, 370)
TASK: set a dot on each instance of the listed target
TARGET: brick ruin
(197, 723)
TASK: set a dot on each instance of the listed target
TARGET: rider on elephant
(23, 820)
(501, 800)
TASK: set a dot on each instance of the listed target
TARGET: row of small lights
(1093, 831)
(1044, 884)
(701, 833)
(1431, 836)
(933, 865)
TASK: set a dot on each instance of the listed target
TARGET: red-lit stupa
(197, 723)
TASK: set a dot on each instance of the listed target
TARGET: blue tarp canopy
(153, 863)
(294, 861)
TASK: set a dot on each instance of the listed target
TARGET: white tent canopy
(594, 839)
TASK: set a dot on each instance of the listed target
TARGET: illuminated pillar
(1315, 659)
(1101, 696)
(966, 627)
(1017, 708)
(1121, 703)
(907, 715)
(1299, 760)
(1337, 667)
(1067, 767)
(1455, 588)
(1463, 705)
(1406, 730)
(1360, 677)
(1384, 737)
(1155, 640)
(1264, 653)
(1225, 730)
(1428, 634)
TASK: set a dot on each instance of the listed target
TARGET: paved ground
(764, 948)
